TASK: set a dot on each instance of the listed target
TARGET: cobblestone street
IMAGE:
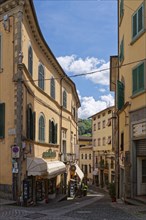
(95, 206)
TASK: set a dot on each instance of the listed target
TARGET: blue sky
(82, 34)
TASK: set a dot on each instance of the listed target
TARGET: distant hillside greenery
(85, 127)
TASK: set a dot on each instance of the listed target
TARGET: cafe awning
(55, 168)
(39, 167)
(36, 166)
(79, 172)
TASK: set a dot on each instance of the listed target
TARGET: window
(138, 78)
(138, 22)
(64, 99)
(99, 141)
(121, 55)
(41, 128)
(82, 156)
(41, 76)
(89, 156)
(98, 125)
(2, 120)
(109, 140)
(143, 171)
(30, 61)
(52, 86)
(121, 8)
(52, 132)
(112, 164)
(109, 122)
(30, 123)
(94, 127)
(85, 156)
(103, 141)
(89, 168)
(0, 51)
(94, 142)
(103, 124)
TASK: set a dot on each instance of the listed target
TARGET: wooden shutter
(33, 122)
(50, 131)
(134, 25)
(141, 77)
(28, 123)
(134, 76)
(2, 120)
(140, 19)
(121, 9)
(120, 94)
(55, 134)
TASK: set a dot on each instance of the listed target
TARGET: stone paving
(96, 206)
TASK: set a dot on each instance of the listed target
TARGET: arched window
(52, 88)
(30, 61)
(41, 128)
(30, 123)
(64, 99)
(41, 76)
(52, 132)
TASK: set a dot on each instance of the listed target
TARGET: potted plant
(112, 191)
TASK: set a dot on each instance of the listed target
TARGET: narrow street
(96, 205)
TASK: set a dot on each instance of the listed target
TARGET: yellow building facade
(86, 157)
(38, 109)
(103, 152)
(128, 82)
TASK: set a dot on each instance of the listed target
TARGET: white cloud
(89, 106)
(102, 90)
(73, 64)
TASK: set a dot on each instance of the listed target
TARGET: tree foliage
(85, 127)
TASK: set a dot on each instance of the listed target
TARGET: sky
(82, 34)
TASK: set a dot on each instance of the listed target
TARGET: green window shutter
(134, 77)
(2, 120)
(141, 77)
(120, 94)
(140, 19)
(121, 8)
(55, 134)
(134, 25)
(33, 122)
(28, 123)
(121, 50)
(30, 61)
(50, 131)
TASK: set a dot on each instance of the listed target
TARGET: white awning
(79, 172)
(55, 168)
(39, 167)
(36, 167)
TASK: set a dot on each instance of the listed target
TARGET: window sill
(138, 94)
(134, 39)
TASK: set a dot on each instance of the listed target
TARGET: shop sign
(15, 151)
(49, 154)
(139, 129)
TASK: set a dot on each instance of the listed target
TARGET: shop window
(52, 132)
(143, 171)
(41, 77)
(52, 87)
(138, 79)
(41, 128)
(30, 60)
(2, 120)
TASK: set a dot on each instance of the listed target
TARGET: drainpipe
(19, 103)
